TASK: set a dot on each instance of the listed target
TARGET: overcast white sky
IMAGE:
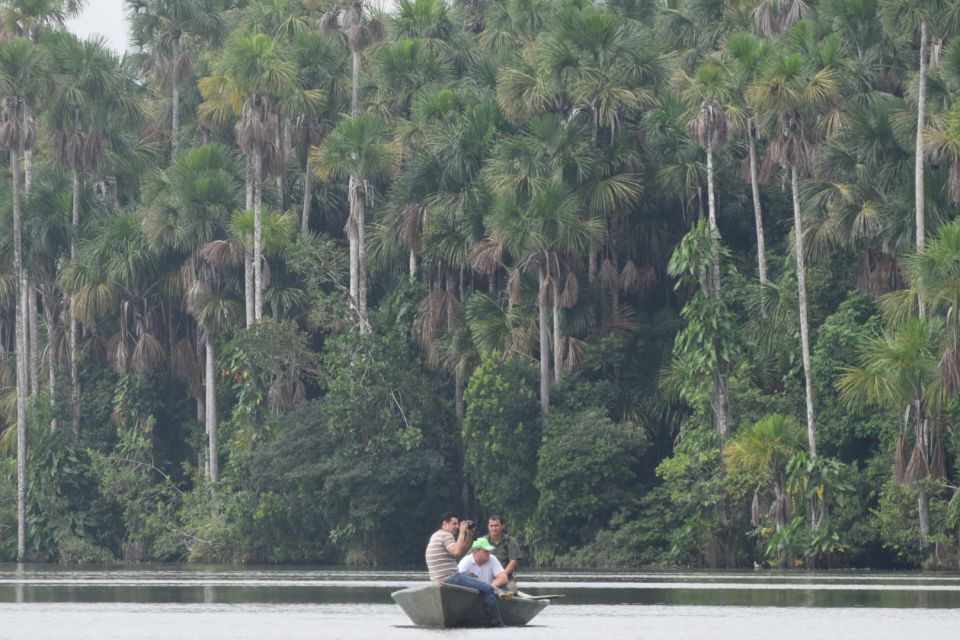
(106, 18)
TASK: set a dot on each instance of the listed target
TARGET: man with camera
(450, 541)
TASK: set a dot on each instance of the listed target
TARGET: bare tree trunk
(557, 338)
(20, 342)
(362, 253)
(34, 333)
(50, 318)
(175, 98)
(721, 402)
(247, 257)
(211, 405)
(757, 211)
(278, 141)
(257, 236)
(355, 80)
(918, 160)
(544, 345)
(307, 195)
(351, 229)
(74, 325)
(804, 325)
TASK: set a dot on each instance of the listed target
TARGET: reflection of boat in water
(447, 605)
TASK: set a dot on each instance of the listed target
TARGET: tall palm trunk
(175, 97)
(20, 340)
(355, 80)
(557, 338)
(307, 195)
(544, 344)
(351, 229)
(34, 335)
(247, 257)
(210, 382)
(918, 160)
(50, 319)
(257, 235)
(721, 401)
(804, 324)
(757, 211)
(278, 141)
(74, 325)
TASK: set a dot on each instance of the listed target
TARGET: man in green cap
(483, 566)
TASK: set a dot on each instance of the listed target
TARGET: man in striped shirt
(448, 543)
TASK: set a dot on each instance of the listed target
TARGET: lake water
(218, 603)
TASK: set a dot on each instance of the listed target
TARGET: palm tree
(22, 74)
(710, 129)
(351, 20)
(919, 17)
(763, 451)
(91, 93)
(746, 53)
(160, 26)
(255, 70)
(898, 370)
(788, 98)
(189, 214)
(539, 232)
(357, 149)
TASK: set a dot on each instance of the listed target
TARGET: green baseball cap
(483, 543)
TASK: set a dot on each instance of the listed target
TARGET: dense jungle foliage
(662, 282)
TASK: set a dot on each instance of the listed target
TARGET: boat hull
(447, 605)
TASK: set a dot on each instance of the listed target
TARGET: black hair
(498, 518)
(447, 516)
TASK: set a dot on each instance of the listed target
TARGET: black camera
(467, 523)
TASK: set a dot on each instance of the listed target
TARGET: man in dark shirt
(505, 549)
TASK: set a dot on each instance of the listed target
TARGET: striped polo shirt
(441, 564)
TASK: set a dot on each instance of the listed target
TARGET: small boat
(448, 605)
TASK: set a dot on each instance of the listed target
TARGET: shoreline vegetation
(663, 283)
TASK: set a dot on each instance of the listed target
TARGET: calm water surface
(217, 603)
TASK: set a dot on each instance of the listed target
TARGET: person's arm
(500, 577)
(463, 542)
(513, 555)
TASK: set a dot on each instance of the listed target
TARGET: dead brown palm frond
(222, 253)
(780, 508)
(544, 294)
(576, 352)
(710, 129)
(571, 291)
(900, 464)
(917, 468)
(329, 23)
(609, 274)
(184, 364)
(351, 16)
(755, 507)
(376, 30)
(884, 277)
(766, 21)
(938, 461)
(487, 255)
(118, 352)
(769, 167)
(147, 353)
(514, 286)
(265, 272)
(623, 321)
(433, 316)
(359, 37)
(949, 370)
(409, 231)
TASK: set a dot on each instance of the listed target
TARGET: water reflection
(220, 585)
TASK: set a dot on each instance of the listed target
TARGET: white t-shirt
(485, 572)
